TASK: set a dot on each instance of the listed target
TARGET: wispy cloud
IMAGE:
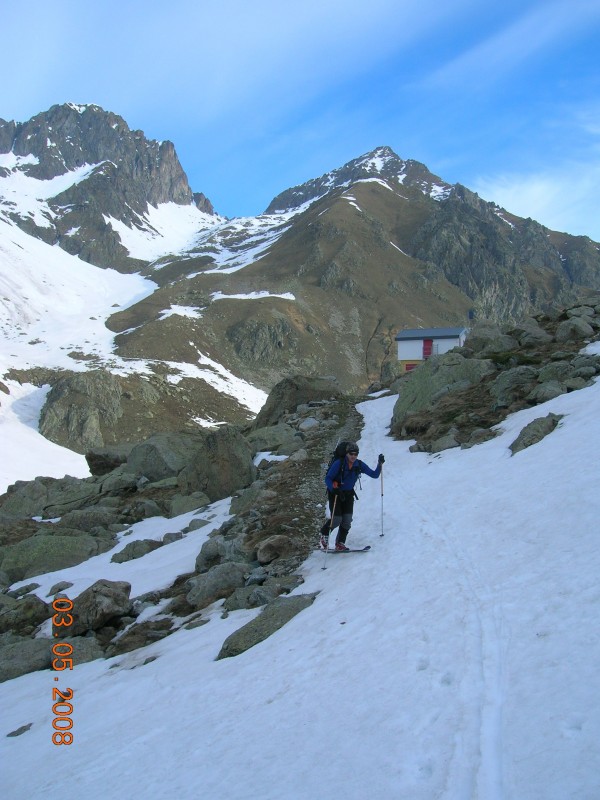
(548, 25)
(563, 198)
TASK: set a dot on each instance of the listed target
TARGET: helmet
(352, 447)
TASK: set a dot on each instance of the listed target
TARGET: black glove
(381, 458)
(335, 491)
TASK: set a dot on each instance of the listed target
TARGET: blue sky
(258, 97)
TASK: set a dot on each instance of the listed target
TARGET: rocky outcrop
(291, 392)
(525, 365)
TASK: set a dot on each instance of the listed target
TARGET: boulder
(77, 408)
(488, 337)
(87, 519)
(181, 504)
(221, 464)
(215, 463)
(25, 616)
(546, 391)
(273, 437)
(534, 432)
(49, 497)
(141, 635)
(24, 656)
(219, 582)
(278, 546)
(102, 460)
(136, 549)
(573, 328)
(99, 604)
(273, 617)
(291, 392)
(529, 333)
(512, 384)
(48, 553)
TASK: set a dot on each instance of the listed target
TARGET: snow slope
(458, 660)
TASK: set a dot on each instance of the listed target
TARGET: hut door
(427, 347)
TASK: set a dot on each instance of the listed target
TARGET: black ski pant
(341, 508)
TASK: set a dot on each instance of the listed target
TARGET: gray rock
(25, 616)
(250, 597)
(547, 391)
(120, 480)
(273, 617)
(573, 328)
(98, 604)
(308, 424)
(141, 635)
(555, 371)
(581, 311)
(219, 465)
(219, 582)
(271, 438)
(512, 384)
(21, 657)
(534, 432)
(215, 463)
(76, 406)
(174, 536)
(48, 497)
(488, 336)
(247, 499)
(102, 460)
(436, 374)
(136, 549)
(278, 546)
(181, 504)
(59, 587)
(530, 334)
(291, 392)
(85, 648)
(196, 524)
(88, 518)
(40, 554)
(444, 443)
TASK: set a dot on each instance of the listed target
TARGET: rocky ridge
(126, 172)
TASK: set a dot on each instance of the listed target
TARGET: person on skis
(340, 480)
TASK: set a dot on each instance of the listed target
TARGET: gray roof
(430, 333)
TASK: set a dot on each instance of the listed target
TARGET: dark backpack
(339, 453)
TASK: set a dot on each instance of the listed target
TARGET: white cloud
(563, 198)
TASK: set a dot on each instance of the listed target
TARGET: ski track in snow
(474, 768)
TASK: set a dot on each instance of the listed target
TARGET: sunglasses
(352, 452)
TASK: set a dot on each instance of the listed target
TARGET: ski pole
(381, 534)
(330, 530)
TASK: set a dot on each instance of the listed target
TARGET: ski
(351, 550)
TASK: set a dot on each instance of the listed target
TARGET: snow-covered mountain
(221, 309)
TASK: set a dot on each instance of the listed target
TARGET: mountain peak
(382, 163)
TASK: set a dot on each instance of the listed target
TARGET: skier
(340, 480)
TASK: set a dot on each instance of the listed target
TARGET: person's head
(352, 451)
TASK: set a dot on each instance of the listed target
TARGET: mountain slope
(456, 659)
(318, 284)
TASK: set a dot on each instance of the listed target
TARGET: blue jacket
(348, 476)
